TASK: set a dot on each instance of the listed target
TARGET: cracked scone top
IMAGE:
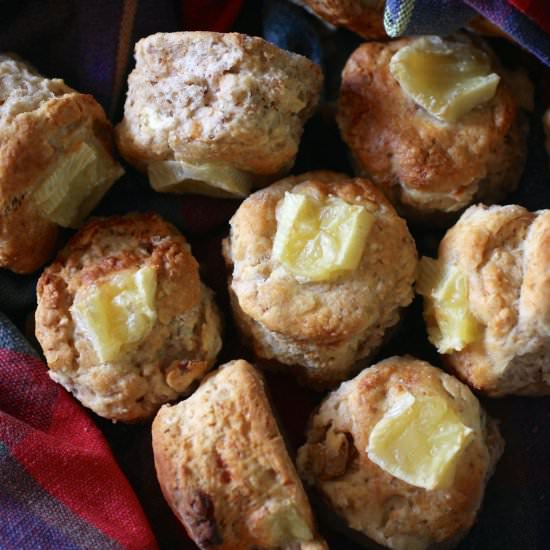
(318, 329)
(224, 469)
(341, 461)
(56, 162)
(429, 167)
(503, 255)
(227, 99)
(123, 319)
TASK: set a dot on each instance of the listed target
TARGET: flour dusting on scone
(224, 469)
(123, 319)
(214, 112)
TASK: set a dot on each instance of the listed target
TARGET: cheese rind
(419, 440)
(117, 313)
(448, 79)
(450, 323)
(319, 240)
(213, 180)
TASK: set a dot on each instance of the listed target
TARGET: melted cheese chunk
(320, 239)
(76, 185)
(451, 325)
(213, 180)
(117, 313)
(419, 440)
(446, 78)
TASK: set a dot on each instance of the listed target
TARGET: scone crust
(505, 252)
(424, 165)
(366, 18)
(41, 120)
(219, 98)
(321, 318)
(181, 345)
(223, 466)
(370, 500)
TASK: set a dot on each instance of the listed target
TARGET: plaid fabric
(60, 487)
(527, 22)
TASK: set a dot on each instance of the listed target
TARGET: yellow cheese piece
(419, 440)
(117, 313)
(320, 239)
(451, 325)
(446, 78)
(76, 185)
(213, 180)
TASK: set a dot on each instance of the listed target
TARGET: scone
(402, 454)
(431, 122)
(487, 299)
(320, 267)
(224, 469)
(123, 319)
(365, 17)
(215, 113)
(56, 162)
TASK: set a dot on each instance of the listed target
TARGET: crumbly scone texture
(41, 121)
(505, 253)
(224, 469)
(218, 98)
(319, 328)
(365, 17)
(370, 500)
(426, 166)
(168, 361)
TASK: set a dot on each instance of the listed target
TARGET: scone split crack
(493, 324)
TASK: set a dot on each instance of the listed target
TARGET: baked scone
(214, 113)
(402, 454)
(56, 162)
(320, 267)
(365, 17)
(123, 319)
(432, 123)
(487, 299)
(224, 469)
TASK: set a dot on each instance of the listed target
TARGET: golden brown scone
(43, 123)
(206, 97)
(224, 469)
(336, 461)
(365, 17)
(428, 167)
(504, 254)
(179, 336)
(318, 329)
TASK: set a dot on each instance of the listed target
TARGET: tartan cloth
(526, 21)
